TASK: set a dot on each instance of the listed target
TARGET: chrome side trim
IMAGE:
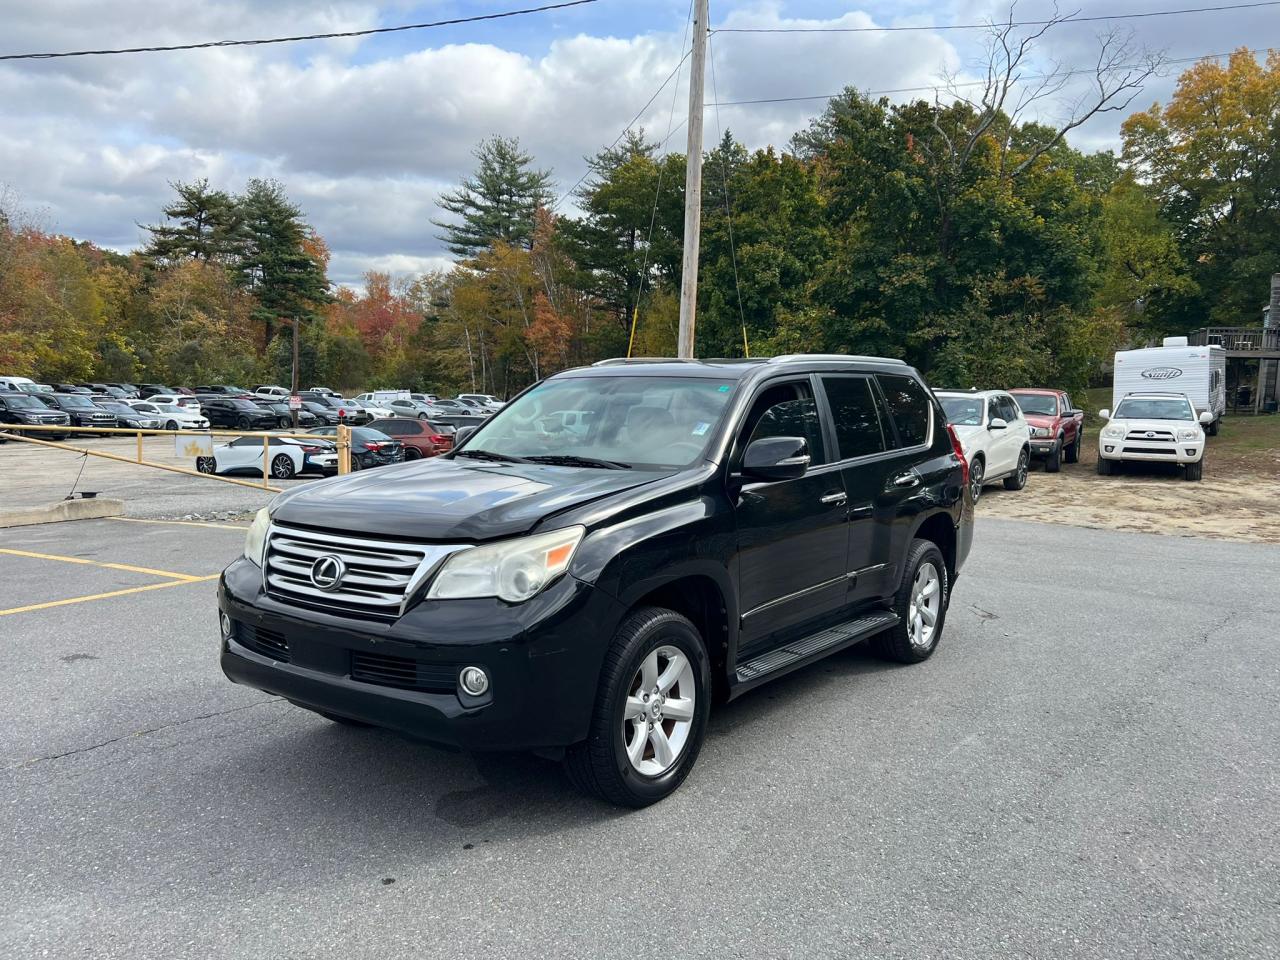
(768, 604)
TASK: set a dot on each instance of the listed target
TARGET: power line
(634, 120)
(989, 25)
(971, 83)
(313, 36)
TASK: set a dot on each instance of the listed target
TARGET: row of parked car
(386, 428)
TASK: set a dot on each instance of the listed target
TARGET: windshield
(1046, 405)
(123, 408)
(169, 408)
(79, 401)
(645, 422)
(963, 411)
(1173, 408)
(24, 403)
(244, 405)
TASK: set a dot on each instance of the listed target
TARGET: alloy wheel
(659, 711)
(975, 479)
(926, 602)
(1024, 464)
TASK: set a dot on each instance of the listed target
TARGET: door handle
(906, 480)
(835, 498)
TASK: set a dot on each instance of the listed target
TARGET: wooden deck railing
(1236, 338)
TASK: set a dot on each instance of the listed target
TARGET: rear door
(792, 541)
(915, 422)
(865, 451)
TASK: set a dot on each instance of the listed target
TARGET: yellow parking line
(104, 596)
(169, 574)
(241, 527)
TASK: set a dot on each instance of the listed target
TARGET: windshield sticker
(725, 388)
(701, 428)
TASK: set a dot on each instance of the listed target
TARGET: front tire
(1105, 467)
(651, 711)
(921, 605)
(1019, 478)
(1053, 462)
(1073, 451)
(171, 425)
(206, 465)
(1193, 471)
(243, 423)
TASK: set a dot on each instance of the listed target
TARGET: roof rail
(786, 357)
(619, 361)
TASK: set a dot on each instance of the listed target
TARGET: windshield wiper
(491, 455)
(570, 460)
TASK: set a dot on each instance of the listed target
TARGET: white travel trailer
(1198, 372)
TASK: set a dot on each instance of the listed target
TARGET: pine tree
(496, 203)
(204, 225)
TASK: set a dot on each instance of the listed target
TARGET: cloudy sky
(365, 133)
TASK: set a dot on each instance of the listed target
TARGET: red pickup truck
(1057, 428)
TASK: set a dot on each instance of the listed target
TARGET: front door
(792, 538)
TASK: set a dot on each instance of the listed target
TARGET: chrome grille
(380, 576)
(1156, 436)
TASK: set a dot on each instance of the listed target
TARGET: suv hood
(1041, 420)
(450, 500)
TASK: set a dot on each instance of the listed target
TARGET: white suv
(993, 434)
(1153, 427)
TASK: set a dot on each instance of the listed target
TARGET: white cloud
(365, 144)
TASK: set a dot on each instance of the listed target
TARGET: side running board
(801, 651)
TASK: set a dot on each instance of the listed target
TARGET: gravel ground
(1089, 767)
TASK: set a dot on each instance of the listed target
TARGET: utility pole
(693, 185)
(293, 386)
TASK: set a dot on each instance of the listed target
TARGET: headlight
(1188, 434)
(1040, 432)
(513, 571)
(255, 542)
(1114, 432)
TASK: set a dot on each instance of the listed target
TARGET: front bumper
(1043, 446)
(1175, 451)
(543, 658)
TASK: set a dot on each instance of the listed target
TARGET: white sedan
(994, 435)
(177, 399)
(289, 457)
(171, 415)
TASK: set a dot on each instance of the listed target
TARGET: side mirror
(1206, 418)
(776, 458)
(998, 424)
(1104, 414)
(1075, 412)
(462, 435)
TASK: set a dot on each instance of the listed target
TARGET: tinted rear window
(856, 415)
(909, 406)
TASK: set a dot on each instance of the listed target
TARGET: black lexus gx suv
(615, 549)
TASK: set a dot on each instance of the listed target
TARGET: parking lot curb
(94, 509)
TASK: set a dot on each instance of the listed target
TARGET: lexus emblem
(327, 572)
(1161, 373)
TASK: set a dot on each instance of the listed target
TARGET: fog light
(225, 622)
(474, 681)
(1191, 452)
(1108, 449)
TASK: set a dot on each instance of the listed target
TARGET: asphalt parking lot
(1088, 767)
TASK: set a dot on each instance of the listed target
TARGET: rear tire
(243, 423)
(1105, 467)
(282, 467)
(412, 453)
(284, 423)
(1193, 471)
(1053, 462)
(1018, 479)
(171, 425)
(913, 639)
(653, 650)
(1213, 427)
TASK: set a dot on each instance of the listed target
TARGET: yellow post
(344, 448)
(139, 446)
(266, 453)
